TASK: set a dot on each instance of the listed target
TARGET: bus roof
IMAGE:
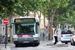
(25, 18)
(22, 17)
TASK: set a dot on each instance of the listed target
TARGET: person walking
(55, 36)
(43, 36)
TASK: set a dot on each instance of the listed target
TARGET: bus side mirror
(37, 23)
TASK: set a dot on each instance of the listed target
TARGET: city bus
(25, 31)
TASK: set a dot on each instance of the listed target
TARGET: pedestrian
(43, 36)
(55, 36)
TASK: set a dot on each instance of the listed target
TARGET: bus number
(18, 20)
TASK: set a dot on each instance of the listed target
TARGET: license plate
(67, 36)
(26, 42)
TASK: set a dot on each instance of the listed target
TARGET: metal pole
(6, 29)
(6, 36)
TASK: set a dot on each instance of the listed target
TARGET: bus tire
(36, 44)
(16, 45)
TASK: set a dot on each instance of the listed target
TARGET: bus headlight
(15, 36)
(15, 39)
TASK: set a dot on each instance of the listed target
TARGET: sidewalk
(46, 42)
(3, 48)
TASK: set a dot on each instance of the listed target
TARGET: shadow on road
(58, 45)
(27, 45)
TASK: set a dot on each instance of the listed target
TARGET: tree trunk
(57, 21)
(44, 17)
(10, 21)
(40, 17)
(51, 22)
(34, 13)
(27, 13)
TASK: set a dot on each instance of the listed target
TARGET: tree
(67, 14)
(52, 6)
(20, 7)
(7, 7)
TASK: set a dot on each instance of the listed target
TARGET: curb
(3, 48)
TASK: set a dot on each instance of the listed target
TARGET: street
(44, 45)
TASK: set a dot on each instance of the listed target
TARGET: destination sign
(25, 20)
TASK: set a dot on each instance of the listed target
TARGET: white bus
(25, 31)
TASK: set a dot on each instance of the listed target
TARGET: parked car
(2, 39)
(73, 40)
(66, 36)
(8, 38)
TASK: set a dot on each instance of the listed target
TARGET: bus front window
(24, 28)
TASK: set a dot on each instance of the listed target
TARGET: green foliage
(67, 14)
(54, 4)
(10, 42)
(8, 5)
(22, 6)
(64, 8)
(19, 7)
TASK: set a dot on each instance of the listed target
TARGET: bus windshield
(24, 28)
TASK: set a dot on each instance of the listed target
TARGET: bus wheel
(36, 44)
(16, 45)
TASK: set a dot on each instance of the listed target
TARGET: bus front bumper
(28, 40)
(18, 42)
